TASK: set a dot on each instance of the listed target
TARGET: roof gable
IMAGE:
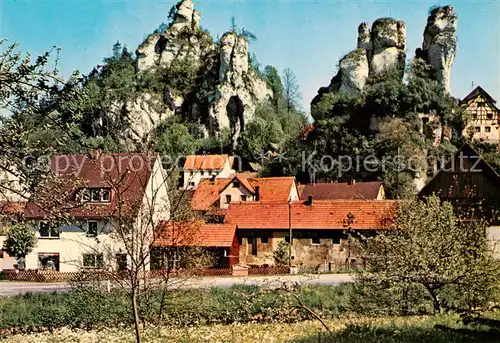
(472, 162)
(478, 91)
(208, 191)
(127, 175)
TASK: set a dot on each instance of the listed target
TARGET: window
(253, 242)
(477, 129)
(487, 129)
(315, 238)
(46, 231)
(192, 184)
(489, 115)
(474, 116)
(95, 195)
(228, 198)
(92, 228)
(336, 239)
(236, 184)
(243, 198)
(106, 195)
(93, 260)
(481, 104)
(48, 261)
(121, 262)
(202, 173)
(264, 239)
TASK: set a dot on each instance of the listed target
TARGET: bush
(86, 307)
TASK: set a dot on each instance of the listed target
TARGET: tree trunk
(135, 312)
(436, 301)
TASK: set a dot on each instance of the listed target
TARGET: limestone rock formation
(230, 88)
(141, 115)
(440, 43)
(379, 50)
(239, 89)
(182, 38)
(388, 41)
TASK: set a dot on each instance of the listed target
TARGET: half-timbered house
(483, 117)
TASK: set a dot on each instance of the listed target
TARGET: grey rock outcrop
(239, 89)
(440, 44)
(141, 115)
(388, 41)
(379, 49)
(160, 48)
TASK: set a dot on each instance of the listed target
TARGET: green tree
(173, 139)
(20, 241)
(281, 257)
(430, 249)
(273, 80)
(291, 90)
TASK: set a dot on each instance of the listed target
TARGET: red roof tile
(126, 175)
(11, 208)
(207, 193)
(195, 233)
(332, 214)
(205, 162)
(270, 189)
(333, 191)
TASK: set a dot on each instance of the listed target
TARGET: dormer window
(96, 195)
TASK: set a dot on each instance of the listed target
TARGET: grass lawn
(360, 330)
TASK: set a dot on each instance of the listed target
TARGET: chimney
(257, 193)
(309, 200)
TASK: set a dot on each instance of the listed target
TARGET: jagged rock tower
(231, 88)
(379, 50)
(161, 48)
(239, 88)
(440, 44)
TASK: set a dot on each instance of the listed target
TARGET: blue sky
(307, 36)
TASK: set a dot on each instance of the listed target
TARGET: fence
(54, 276)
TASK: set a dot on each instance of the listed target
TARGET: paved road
(16, 288)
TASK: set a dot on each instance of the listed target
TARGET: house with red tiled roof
(343, 190)
(200, 167)
(218, 193)
(217, 240)
(318, 228)
(75, 210)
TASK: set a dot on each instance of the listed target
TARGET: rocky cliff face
(182, 38)
(239, 89)
(440, 44)
(229, 97)
(380, 49)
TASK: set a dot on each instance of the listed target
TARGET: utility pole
(290, 232)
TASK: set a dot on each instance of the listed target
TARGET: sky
(306, 36)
